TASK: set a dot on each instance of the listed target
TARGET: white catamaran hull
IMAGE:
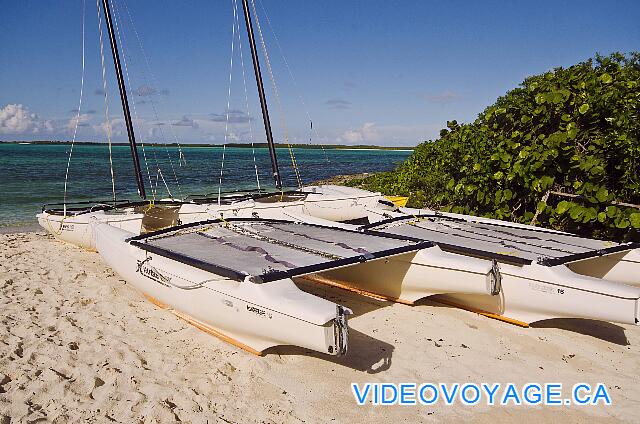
(252, 316)
(523, 294)
(325, 202)
(336, 203)
(413, 276)
(332, 203)
(533, 293)
(77, 230)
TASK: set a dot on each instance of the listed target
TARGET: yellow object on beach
(400, 201)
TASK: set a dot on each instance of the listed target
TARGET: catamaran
(70, 222)
(511, 285)
(232, 277)
(229, 277)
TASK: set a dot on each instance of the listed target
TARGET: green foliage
(574, 130)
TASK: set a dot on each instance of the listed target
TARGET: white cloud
(18, 119)
(368, 133)
(145, 90)
(186, 122)
(82, 119)
(389, 135)
(116, 126)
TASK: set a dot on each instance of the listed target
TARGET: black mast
(123, 98)
(263, 100)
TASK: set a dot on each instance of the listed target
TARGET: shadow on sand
(365, 353)
(602, 330)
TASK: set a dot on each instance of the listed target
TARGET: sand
(79, 344)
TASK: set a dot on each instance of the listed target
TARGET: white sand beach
(79, 344)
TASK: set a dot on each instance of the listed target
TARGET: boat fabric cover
(530, 245)
(270, 249)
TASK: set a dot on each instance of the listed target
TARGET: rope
(343, 245)
(246, 96)
(106, 103)
(295, 83)
(181, 156)
(226, 123)
(274, 87)
(135, 111)
(470, 234)
(161, 175)
(255, 235)
(75, 129)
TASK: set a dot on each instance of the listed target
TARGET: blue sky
(370, 72)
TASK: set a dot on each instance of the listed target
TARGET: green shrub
(573, 130)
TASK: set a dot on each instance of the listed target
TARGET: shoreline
(228, 145)
(33, 226)
(21, 228)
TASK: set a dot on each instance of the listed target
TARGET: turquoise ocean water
(33, 174)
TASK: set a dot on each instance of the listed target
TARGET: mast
(263, 99)
(123, 98)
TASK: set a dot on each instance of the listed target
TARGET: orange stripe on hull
(345, 286)
(481, 312)
(155, 301)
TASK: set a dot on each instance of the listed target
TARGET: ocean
(33, 174)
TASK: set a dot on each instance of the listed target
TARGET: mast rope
(274, 88)
(106, 103)
(293, 79)
(181, 157)
(246, 95)
(75, 129)
(226, 123)
(155, 112)
(135, 111)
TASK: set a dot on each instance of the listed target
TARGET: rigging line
(471, 235)
(175, 176)
(181, 159)
(514, 237)
(295, 82)
(226, 123)
(341, 244)
(274, 87)
(135, 111)
(244, 231)
(161, 175)
(246, 95)
(75, 129)
(106, 103)
(154, 188)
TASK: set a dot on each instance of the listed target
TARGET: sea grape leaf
(562, 207)
(634, 219)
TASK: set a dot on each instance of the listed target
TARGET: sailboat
(515, 287)
(69, 222)
(494, 283)
(612, 261)
(232, 277)
(535, 274)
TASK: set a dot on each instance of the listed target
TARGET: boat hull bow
(252, 316)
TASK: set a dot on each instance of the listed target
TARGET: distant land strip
(243, 145)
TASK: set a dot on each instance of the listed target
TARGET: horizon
(257, 145)
(367, 73)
